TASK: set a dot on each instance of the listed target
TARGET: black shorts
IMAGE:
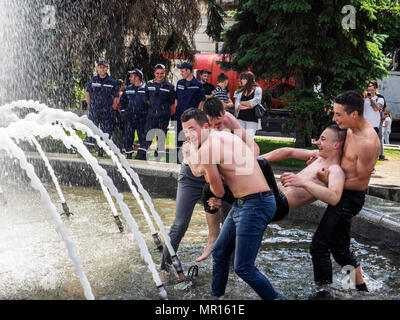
(282, 206)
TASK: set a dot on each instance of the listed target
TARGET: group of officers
(140, 106)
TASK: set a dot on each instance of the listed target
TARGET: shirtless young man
(190, 188)
(218, 156)
(360, 153)
(303, 188)
(221, 120)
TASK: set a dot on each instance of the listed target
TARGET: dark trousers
(130, 125)
(157, 123)
(103, 120)
(128, 136)
(333, 236)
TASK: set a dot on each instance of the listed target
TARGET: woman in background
(247, 97)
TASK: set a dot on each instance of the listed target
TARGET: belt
(257, 195)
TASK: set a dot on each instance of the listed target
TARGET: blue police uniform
(102, 93)
(189, 95)
(134, 112)
(160, 96)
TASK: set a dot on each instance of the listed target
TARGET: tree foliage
(128, 33)
(306, 40)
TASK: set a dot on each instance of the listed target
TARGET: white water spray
(7, 144)
(25, 127)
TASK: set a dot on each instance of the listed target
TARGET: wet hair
(340, 133)
(196, 114)
(222, 77)
(213, 108)
(351, 101)
(251, 82)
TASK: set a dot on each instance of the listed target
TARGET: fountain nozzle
(157, 241)
(119, 224)
(66, 209)
(163, 293)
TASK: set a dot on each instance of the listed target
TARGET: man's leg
(332, 235)
(251, 220)
(213, 223)
(141, 131)
(350, 205)
(190, 189)
(128, 135)
(221, 253)
(91, 142)
(321, 257)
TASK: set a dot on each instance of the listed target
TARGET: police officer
(133, 113)
(160, 95)
(102, 98)
(189, 94)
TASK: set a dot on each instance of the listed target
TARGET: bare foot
(206, 252)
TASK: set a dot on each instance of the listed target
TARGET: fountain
(283, 253)
(36, 125)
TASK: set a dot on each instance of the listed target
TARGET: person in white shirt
(387, 125)
(372, 106)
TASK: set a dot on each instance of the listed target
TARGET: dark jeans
(242, 232)
(333, 236)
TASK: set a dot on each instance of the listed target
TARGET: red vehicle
(276, 87)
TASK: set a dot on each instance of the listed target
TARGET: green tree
(306, 40)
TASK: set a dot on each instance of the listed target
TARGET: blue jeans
(242, 232)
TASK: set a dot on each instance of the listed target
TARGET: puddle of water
(34, 263)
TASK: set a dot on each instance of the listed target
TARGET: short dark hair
(213, 107)
(340, 133)
(373, 83)
(196, 114)
(222, 77)
(351, 101)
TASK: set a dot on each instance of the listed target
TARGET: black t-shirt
(209, 88)
(248, 114)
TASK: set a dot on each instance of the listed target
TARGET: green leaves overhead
(312, 41)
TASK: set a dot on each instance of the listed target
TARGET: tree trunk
(303, 137)
(115, 52)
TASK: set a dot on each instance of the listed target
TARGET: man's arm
(115, 102)
(214, 179)
(191, 158)
(227, 105)
(289, 153)
(378, 105)
(365, 163)
(201, 105)
(233, 124)
(329, 194)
